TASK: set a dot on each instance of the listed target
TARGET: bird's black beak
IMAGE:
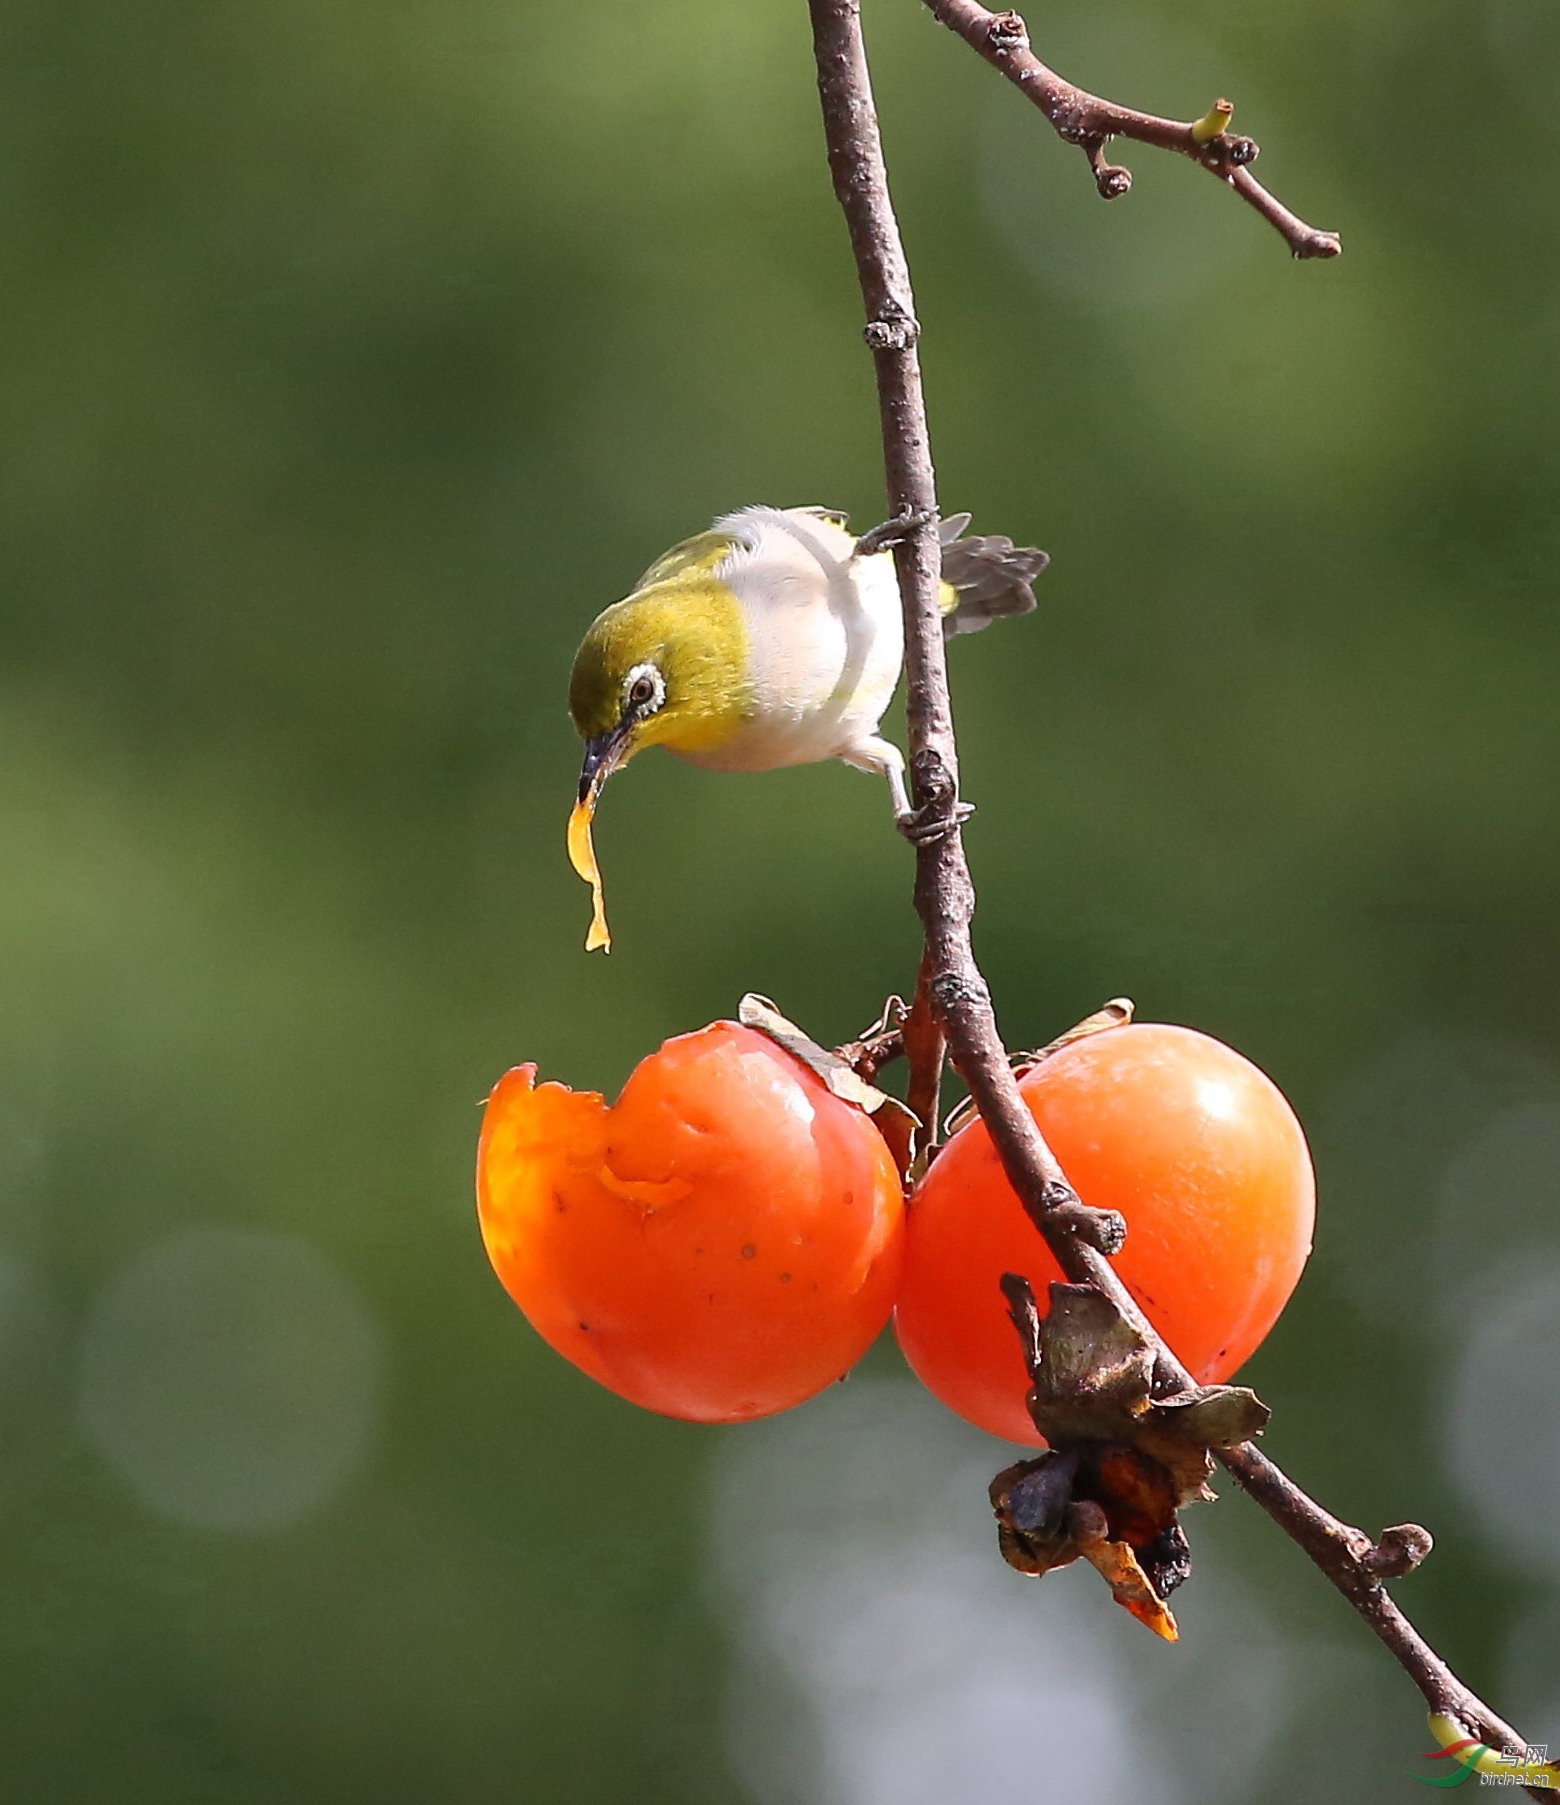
(603, 755)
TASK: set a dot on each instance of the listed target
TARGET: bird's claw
(895, 531)
(933, 821)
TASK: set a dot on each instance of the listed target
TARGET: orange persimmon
(1196, 1148)
(719, 1244)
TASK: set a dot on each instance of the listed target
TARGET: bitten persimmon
(719, 1244)
(1196, 1148)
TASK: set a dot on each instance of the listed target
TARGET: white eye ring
(644, 689)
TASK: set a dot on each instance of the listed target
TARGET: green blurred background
(354, 356)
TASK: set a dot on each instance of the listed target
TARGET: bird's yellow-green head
(667, 667)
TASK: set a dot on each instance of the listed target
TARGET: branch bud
(1007, 32)
(1214, 122)
(1399, 1551)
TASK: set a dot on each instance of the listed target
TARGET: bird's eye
(645, 690)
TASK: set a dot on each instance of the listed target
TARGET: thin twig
(880, 1045)
(1081, 118)
(945, 895)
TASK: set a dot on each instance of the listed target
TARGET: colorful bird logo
(1531, 1768)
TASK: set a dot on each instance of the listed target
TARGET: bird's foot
(933, 820)
(894, 532)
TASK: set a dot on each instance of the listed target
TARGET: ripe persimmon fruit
(719, 1244)
(1196, 1148)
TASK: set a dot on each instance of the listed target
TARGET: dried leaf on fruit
(897, 1124)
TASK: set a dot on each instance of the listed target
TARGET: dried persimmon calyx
(1121, 1463)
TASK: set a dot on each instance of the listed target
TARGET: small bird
(775, 638)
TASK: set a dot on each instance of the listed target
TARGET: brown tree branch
(945, 896)
(1081, 118)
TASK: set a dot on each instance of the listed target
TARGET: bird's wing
(693, 557)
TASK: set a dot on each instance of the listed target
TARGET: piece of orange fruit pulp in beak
(582, 856)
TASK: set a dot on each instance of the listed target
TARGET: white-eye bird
(775, 638)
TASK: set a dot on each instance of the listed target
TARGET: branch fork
(1081, 118)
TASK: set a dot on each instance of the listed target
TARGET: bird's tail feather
(989, 577)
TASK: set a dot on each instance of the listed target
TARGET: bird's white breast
(825, 638)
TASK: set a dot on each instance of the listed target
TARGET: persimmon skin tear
(718, 1245)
